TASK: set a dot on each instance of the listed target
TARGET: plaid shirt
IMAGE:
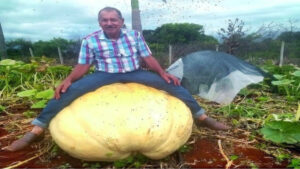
(114, 56)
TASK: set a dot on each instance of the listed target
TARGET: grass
(247, 114)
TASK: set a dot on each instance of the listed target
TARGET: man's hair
(110, 9)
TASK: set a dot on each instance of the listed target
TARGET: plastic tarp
(215, 76)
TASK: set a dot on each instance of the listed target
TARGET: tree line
(262, 44)
(19, 48)
(185, 37)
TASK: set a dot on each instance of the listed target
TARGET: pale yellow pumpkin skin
(117, 120)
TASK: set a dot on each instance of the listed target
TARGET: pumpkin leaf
(46, 94)
(29, 114)
(296, 73)
(277, 76)
(27, 93)
(282, 131)
(295, 163)
(57, 83)
(2, 108)
(282, 82)
(233, 157)
(7, 62)
(39, 105)
(298, 113)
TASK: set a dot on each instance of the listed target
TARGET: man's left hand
(170, 78)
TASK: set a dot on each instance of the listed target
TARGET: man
(116, 53)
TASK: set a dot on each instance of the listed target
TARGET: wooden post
(31, 52)
(3, 53)
(217, 48)
(170, 54)
(281, 54)
(136, 16)
(60, 56)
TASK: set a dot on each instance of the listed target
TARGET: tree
(49, 48)
(19, 48)
(148, 35)
(3, 53)
(232, 35)
(184, 37)
(292, 39)
(289, 36)
(181, 33)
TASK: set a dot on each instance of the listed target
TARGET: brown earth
(206, 149)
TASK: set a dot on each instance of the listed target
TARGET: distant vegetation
(19, 49)
(267, 113)
(185, 38)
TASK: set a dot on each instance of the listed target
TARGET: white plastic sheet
(215, 76)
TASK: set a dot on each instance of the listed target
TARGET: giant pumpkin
(117, 120)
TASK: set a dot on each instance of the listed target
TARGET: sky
(74, 19)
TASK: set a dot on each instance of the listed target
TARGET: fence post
(170, 54)
(281, 54)
(60, 56)
(31, 52)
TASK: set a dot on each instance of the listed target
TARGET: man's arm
(77, 73)
(152, 63)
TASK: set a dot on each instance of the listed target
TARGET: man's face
(111, 23)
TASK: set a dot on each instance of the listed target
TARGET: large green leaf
(27, 93)
(298, 113)
(7, 62)
(46, 94)
(278, 76)
(2, 108)
(296, 73)
(282, 82)
(39, 105)
(282, 131)
(27, 68)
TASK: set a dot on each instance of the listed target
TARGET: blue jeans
(95, 80)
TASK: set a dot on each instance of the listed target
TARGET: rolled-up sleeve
(86, 55)
(143, 48)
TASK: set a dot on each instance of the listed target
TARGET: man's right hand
(62, 88)
(77, 73)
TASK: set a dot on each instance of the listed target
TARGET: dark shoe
(24, 142)
(212, 124)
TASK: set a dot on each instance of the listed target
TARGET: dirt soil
(205, 149)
